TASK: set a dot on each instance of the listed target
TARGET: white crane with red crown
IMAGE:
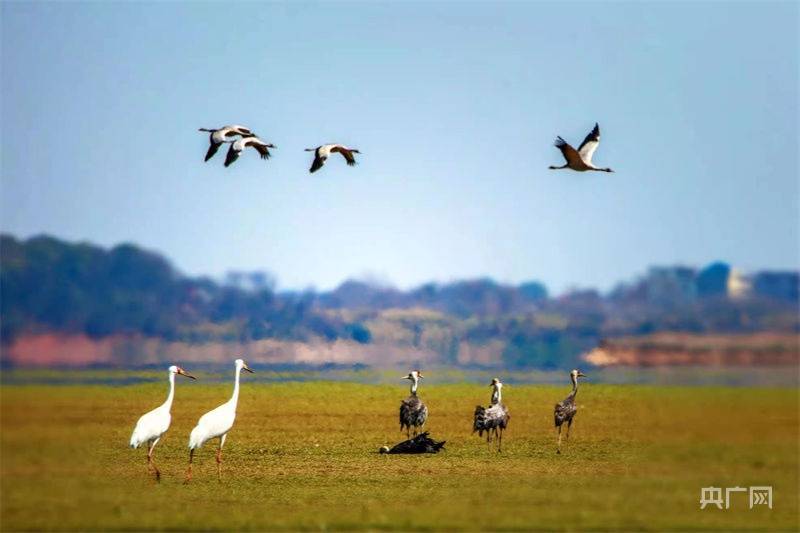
(152, 426)
(216, 424)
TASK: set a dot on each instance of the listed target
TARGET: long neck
(414, 385)
(574, 385)
(171, 395)
(235, 398)
(497, 396)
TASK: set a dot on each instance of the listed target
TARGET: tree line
(49, 285)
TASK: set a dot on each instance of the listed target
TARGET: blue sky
(455, 107)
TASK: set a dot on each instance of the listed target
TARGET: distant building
(777, 285)
(739, 285)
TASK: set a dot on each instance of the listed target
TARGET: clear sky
(455, 107)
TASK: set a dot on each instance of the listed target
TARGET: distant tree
(713, 280)
(533, 291)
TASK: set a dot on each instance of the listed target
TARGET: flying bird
(580, 159)
(413, 413)
(216, 424)
(221, 135)
(240, 144)
(422, 443)
(565, 410)
(493, 419)
(321, 153)
(152, 426)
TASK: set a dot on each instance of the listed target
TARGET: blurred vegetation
(49, 285)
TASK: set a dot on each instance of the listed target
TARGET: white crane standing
(151, 426)
(216, 423)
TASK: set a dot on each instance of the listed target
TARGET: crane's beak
(582, 375)
(406, 377)
(182, 372)
(245, 367)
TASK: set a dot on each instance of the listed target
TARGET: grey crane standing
(413, 413)
(565, 410)
(493, 419)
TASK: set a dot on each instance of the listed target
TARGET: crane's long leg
(150, 461)
(558, 450)
(219, 456)
(569, 425)
(500, 441)
(189, 471)
(149, 466)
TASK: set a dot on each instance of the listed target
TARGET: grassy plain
(303, 456)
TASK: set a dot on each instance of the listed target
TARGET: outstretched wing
(236, 129)
(348, 155)
(569, 153)
(232, 156)
(317, 164)
(261, 148)
(590, 144)
(211, 151)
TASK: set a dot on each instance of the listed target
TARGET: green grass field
(303, 456)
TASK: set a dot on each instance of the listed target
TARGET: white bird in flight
(151, 426)
(220, 135)
(238, 146)
(216, 424)
(580, 159)
(321, 153)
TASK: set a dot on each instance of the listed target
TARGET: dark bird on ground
(321, 153)
(238, 146)
(581, 159)
(422, 443)
(565, 410)
(493, 419)
(413, 413)
(220, 135)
